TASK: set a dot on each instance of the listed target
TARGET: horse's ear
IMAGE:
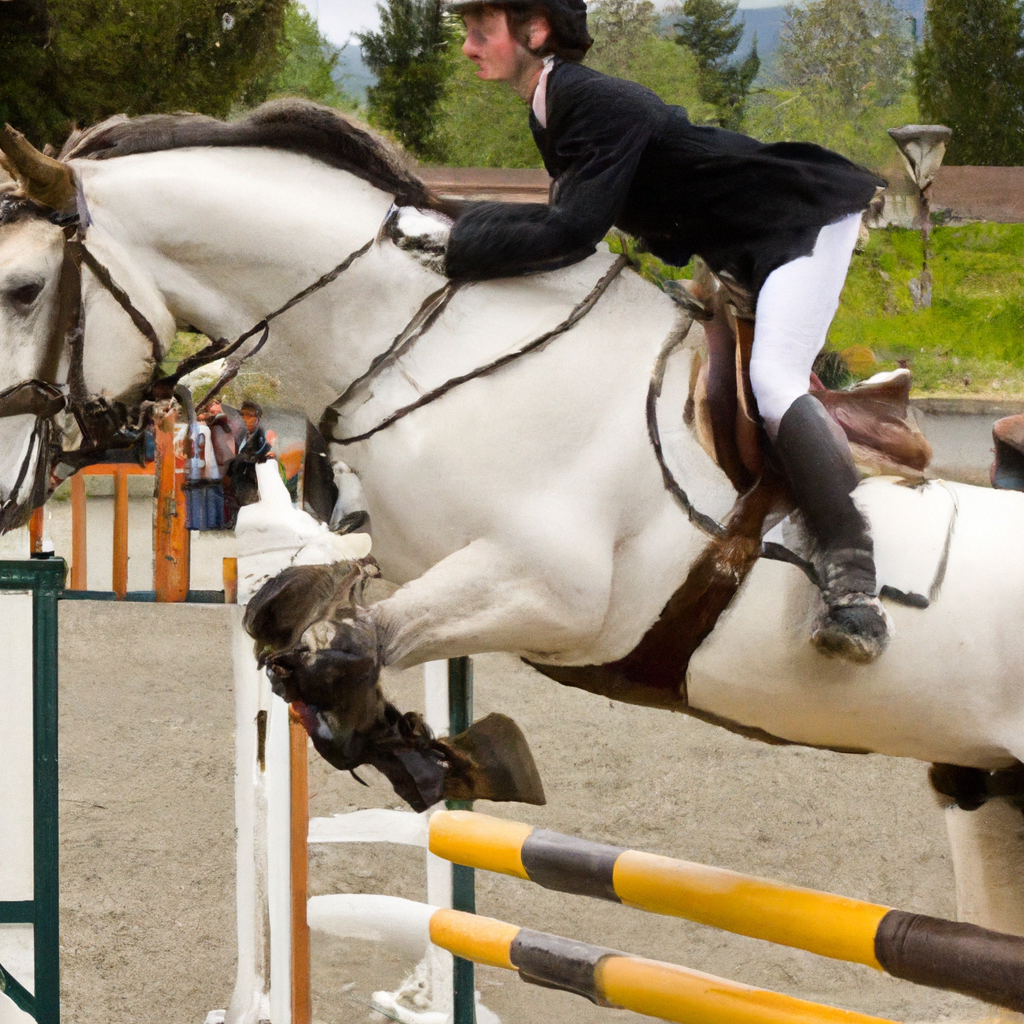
(43, 179)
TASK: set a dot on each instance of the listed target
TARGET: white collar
(540, 94)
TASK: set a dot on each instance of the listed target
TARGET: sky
(340, 18)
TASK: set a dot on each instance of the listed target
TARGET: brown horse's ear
(43, 179)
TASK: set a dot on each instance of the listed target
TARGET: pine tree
(409, 56)
(970, 76)
(709, 30)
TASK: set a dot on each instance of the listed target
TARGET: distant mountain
(765, 23)
(351, 74)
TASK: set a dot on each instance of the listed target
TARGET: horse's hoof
(857, 632)
(495, 764)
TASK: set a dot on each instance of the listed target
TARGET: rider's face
(498, 56)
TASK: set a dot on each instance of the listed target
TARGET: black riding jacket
(620, 156)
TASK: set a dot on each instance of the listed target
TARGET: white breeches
(794, 311)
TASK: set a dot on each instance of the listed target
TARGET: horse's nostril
(26, 294)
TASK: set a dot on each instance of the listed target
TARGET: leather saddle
(874, 415)
(1007, 471)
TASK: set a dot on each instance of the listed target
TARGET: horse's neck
(225, 236)
(229, 235)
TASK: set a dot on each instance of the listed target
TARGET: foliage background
(970, 76)
(79, 61)
(841, 76)
(305, 64)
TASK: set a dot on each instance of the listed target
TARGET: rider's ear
(540, 29)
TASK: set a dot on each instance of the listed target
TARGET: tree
(68, 61)
(970, 76)
(305, 66)
(708, 30)
(843, 71)
(855, 53)
(409, 56)
(628, 44)
(620, 28)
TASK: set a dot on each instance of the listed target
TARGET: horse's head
(35, 314)
(47, 354)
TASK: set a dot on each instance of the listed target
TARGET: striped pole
(929, 951)
(610, 978)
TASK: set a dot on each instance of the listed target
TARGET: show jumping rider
(779, 220)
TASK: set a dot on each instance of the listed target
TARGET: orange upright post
(170, 538)
(35, 533)
(301, 1003)
(79, 533)
(230, 575)
(119, 572)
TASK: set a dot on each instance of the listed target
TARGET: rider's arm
(597, 130)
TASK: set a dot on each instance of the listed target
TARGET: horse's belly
(947, 689)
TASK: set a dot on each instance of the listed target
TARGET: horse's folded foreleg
(988, 862)
(484, 598)
(985, 822)
(323, 657)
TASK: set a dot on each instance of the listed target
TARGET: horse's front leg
(988, 863)
(324, 653)
(545, 604)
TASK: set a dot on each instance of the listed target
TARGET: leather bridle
(105, 426)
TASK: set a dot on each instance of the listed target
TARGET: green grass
(249, 384)
(971, 341)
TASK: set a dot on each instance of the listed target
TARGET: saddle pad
(515, 312)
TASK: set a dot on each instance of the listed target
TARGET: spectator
(240, 486)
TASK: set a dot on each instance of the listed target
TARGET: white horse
(524, 511)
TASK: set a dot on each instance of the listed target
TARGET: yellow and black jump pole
(610, 978)
(943, 954)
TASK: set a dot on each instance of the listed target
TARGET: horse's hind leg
(988, 863)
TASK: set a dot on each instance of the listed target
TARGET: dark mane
(295, 125)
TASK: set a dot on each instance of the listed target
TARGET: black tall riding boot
(817, 461)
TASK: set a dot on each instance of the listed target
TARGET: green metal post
(44, 578)
(46, 817)
(460, 717)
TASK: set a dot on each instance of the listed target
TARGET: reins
(222, 349)
(333, 413)
(710, 526)
(103, 430)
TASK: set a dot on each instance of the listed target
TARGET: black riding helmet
(568, 20)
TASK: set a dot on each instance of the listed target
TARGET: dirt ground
(147, 761)
(147, 834)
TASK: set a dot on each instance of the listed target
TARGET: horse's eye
(26, 294)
